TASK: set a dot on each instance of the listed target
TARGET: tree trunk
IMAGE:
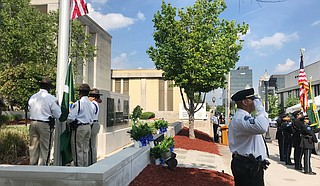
(191, 119)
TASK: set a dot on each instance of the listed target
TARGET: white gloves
(259, 107)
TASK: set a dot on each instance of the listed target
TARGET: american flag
(78, 8)
(304, 86)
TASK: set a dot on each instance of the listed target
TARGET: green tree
(29, 49)
(274, 108)
(221, 109)
(291, 101)
(195, 49)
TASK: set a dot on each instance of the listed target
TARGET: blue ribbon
(163, 130)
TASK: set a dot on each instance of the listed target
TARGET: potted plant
(163, 150)
(161, 126)
(141, 133)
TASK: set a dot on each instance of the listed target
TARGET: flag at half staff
(78, 8)
(303, 86)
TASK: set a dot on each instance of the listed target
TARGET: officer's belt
(95, 120)
(240, 157)
(40, 121)
(83, 123)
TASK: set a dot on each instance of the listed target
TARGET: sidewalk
(277, 174)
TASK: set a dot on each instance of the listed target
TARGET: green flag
(312, 110)
(68, 94)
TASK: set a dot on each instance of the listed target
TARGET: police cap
(295, 113)
(243, 94)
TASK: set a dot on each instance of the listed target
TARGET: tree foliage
(28, 49)
(274, 107)
(195, 48)
(290, 101)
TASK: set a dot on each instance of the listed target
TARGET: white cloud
(110, 21)
(288, 66)
(119, 62)
(141, 16)
(316, 23)
(277, 40)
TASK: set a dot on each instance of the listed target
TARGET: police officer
(94, 97)
(308, 138)
(287, 139)
(42, 105)
(246, 141)
(80, 119)
(280, 136)
(297, 124)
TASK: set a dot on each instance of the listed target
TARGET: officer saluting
(42, 106)
(246, 141)
(80, 118)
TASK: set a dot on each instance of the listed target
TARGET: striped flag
(78, 8)
(304, 86)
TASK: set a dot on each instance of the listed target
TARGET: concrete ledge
(118, 169)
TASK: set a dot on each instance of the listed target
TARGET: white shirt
(42, 105)
(86, 111)
(214, 120)
(245, 134)
(96, 109)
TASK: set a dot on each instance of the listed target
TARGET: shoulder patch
(251, 121)
(246, 118)
(308, 128)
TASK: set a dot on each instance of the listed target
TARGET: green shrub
(13, 143)
(4, 119)
(140, 130)
(147, 115)
(162, 147)
(160, 123)
(136, 114)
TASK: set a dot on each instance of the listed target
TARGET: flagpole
(62, 63)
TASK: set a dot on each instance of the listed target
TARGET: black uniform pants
(240, 167)
(287, 151)
(215, 133)
(306, 160)
(297, 157)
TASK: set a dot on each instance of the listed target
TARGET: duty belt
(95, 120)
(83, 123)
(39, 120)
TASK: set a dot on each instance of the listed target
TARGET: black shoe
(298, 168)
(310, 173)
(282, 160)
(289, 163)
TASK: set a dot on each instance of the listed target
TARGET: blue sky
(277, 31)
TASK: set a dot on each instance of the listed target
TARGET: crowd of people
(82, 121)
(294, 131)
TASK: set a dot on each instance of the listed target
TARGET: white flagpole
(62, 65)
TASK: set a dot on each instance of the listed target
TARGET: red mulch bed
(203, 142)
(162, 175)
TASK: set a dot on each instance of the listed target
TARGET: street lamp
(265, 78)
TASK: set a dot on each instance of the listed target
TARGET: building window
(169, 96)
(125, 111)
(126, 86)
(118, 85)
(161, 95)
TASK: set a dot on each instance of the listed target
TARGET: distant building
(291, 87)
(147, 88)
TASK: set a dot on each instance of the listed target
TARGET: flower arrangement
(160, 150)
(141, 132)
(161, 126)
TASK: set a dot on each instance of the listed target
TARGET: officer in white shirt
(94, 97)
(42, 105)
(246, 141)
(80, 119)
